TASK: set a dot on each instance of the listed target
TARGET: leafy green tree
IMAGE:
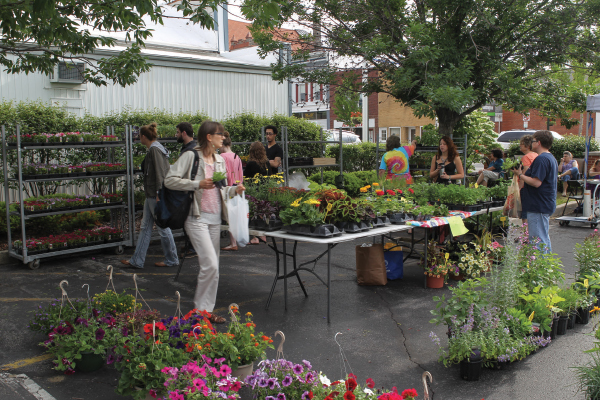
(38, 34)
(345, 105)
(445, 58)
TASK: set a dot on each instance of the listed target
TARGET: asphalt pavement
(384, 330)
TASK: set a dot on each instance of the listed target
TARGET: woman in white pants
(203, 225)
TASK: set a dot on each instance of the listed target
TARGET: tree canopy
(38, 34)
(447, 58)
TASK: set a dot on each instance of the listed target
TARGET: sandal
(229, 248)
(216, 319)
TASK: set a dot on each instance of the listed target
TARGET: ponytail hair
(226, 139)
(149, 131)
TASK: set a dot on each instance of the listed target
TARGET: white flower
(324, 380)
(368, 391)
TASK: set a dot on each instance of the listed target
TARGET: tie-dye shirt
(395, 163)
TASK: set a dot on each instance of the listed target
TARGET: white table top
(344, 237)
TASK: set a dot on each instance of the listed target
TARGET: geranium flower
(409, 394)
(370, 383)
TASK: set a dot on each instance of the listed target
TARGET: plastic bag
(512, 206)
(237, 213)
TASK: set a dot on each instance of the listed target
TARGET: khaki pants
(206, 240)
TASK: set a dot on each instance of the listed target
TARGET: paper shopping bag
(370, 265)
(512, 206)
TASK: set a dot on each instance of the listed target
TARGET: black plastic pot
(325, 230)
(396, 218)
(571, 321)
(583, 316)
(220, 184)
(470, 369)
(260, 225)
(562, 325)
(554, 328)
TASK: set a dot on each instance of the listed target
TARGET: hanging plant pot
(243, 371)
(583, 316)
(562, 325)
(470, 369)
(572, 318)
(89, 362)
(434, 282)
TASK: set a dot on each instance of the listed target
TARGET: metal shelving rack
(285, 161)
(33, 261)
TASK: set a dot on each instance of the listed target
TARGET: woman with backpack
(155, 167)
(235, 175)
(203, 225)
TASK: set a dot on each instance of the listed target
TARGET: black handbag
(173, 206)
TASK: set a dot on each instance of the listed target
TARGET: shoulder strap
(234, 155)
(195, 165)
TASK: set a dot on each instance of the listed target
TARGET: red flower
(351, 384)
(370, 383)
(399, 191)
(310, 395)
(390, 192)
(334, 383)
(409, 394)
(349, 396)
(410, 190)
(332, 395)
(379, 192)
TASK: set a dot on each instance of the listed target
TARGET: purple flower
(287, 381)
(119, 358)
(298, 369)
(110, 359)
(272, 382)
(124, 331)
(270, 398)
(262, 382)
(310, 377)
(100, 334)
(305, 396)
(307, 364)
(281, 396)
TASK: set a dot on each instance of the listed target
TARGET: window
(302, 92)
(382, 134)
(68, 73)
(395, 131)
(412, 133)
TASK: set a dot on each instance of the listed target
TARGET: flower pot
(435, 282)
(583, 316)
(554, 328)
(571, 321)
(459, 277)
(243, 371)
(89, 362)
(471, 369)
(562, 325)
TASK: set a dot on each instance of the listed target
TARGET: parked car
(506, 137)
(348, 137)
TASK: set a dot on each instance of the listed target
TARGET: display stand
(33, 261)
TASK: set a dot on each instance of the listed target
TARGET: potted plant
(207, 377)
(115, 303)
(52, 314)
(82, 344)
(473, 260)
(437, 266)
(35, 247)
(263, 215)
(567, 309)
(304, 217)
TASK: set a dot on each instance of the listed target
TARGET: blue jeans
(574, 175)
(166, 239)
(538, 225)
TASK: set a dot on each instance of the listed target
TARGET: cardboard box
(323, 161)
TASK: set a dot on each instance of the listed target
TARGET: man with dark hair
(274, 151)
(539, 185)
(494, 170)
(185, 135)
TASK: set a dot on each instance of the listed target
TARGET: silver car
(506, 137)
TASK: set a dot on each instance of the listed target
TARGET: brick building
(513, 120)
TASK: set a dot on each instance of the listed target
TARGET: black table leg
(328, 282)
(284, 274)
(276, 250)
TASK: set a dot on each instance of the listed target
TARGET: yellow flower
(531, 316)
(296, 203)
(329, 207)
(363, 190)
(375, 184)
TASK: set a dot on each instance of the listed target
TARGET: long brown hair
(258, 153)
(208, 128)
(226, 139)
(452, 152)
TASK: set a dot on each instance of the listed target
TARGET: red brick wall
(512, 120)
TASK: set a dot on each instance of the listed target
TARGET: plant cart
(33, 260)
(591, 204)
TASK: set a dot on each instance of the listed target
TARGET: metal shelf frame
(128, 203)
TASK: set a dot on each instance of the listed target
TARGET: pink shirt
(211, 202)
(233, 165)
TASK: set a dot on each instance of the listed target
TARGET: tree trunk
(447, 120)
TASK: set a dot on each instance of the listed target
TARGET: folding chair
(572, 193)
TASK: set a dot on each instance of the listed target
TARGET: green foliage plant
(53, 314)
(587, 255)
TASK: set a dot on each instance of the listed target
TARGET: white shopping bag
(237, 213)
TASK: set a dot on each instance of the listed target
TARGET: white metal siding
(217, 92)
